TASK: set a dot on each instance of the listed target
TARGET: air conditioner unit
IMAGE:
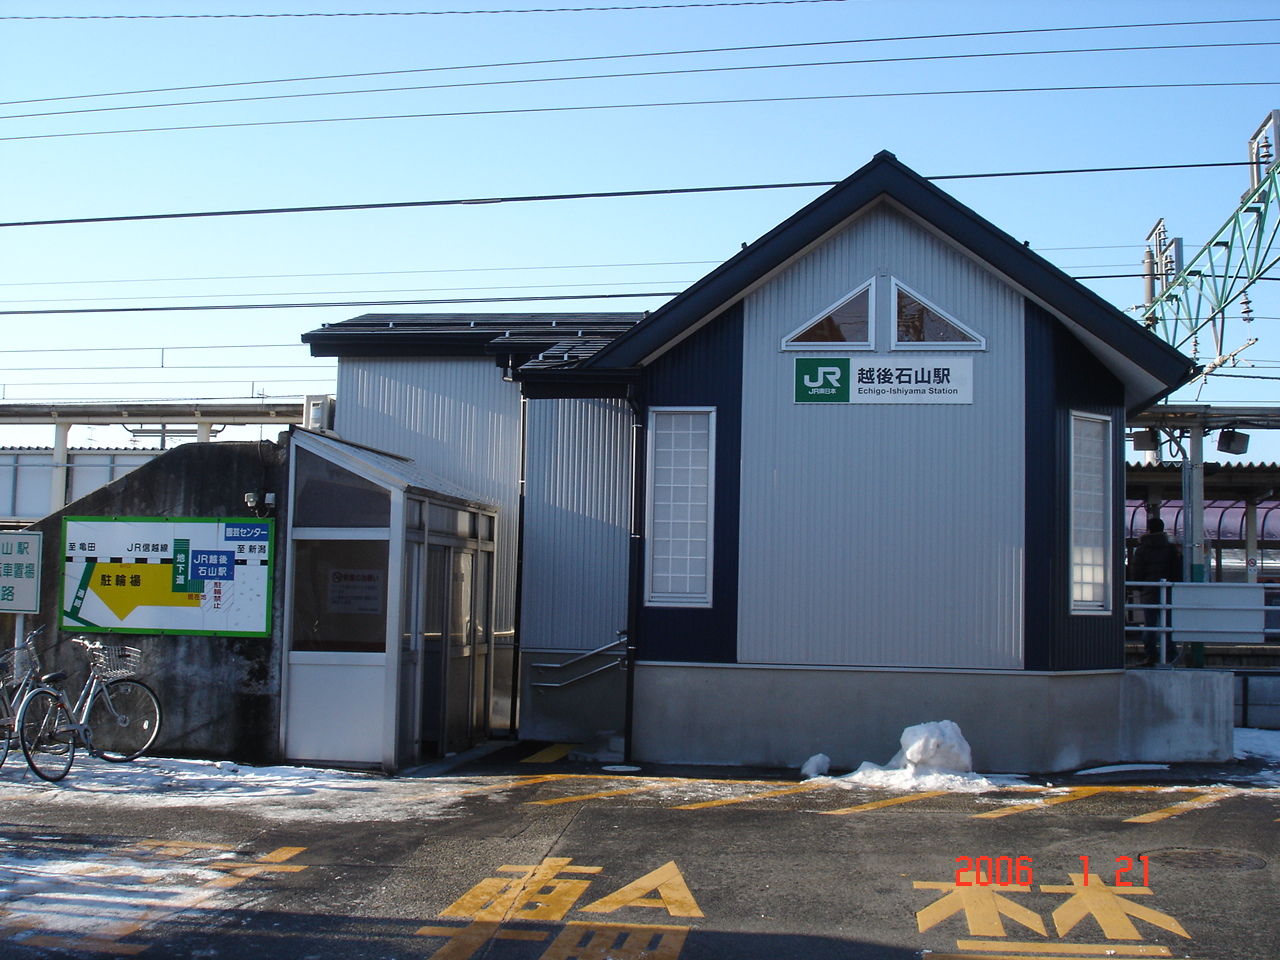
(317, 413)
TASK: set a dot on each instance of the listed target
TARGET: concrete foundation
(1014, 721)
(1176, 715)
(579, 712)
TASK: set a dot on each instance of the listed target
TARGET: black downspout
(639, 448)
(513, 724)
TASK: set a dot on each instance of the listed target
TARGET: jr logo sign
(822, 380)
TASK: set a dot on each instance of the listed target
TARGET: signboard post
(187, 576)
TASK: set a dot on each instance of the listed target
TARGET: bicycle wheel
(6, 725)
(123, 719)
(47, 735)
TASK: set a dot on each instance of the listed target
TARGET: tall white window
(680, 504)
(1090, 513)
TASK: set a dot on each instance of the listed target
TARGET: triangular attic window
(920, 323)
(846, 323)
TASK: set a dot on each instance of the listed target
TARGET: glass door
(435, 609)
(460, 655)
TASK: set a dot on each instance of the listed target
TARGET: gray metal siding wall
(883, 535)
(577, 523)
(459, 420)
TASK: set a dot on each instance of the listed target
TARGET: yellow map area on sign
(124, 587)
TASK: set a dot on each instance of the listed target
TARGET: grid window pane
(1090, 513)
(680, 487)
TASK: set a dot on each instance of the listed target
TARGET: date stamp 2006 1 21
(1020, 871)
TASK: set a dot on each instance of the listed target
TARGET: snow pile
(816, 766)
(934, 756)
(932, 747)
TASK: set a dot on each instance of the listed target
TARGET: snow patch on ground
(1122, 768)
(933, 756)
(1257, 743)
(869, 775)
(272, 792)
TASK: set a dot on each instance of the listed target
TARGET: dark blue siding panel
(704, 370)
(1063, 376)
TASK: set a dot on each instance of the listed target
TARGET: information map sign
(188, 576)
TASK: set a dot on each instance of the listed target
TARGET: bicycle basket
(114, 662)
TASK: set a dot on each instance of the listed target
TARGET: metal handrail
(620, 642)
(621, 661)
(582, 676)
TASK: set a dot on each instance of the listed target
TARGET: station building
(865, 474)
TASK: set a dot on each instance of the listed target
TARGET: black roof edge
(576, 383)
(396, 345)
(886, 176)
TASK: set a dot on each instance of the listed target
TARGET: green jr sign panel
(822, 380)
(896, 378)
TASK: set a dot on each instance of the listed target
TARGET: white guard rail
(1236, 613)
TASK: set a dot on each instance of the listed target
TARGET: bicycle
(115, 717)
(19, 673)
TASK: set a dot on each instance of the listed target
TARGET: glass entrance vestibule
(387, 612)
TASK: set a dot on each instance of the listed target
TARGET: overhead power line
(387, 273)
(372, 273)
(418, 13)
(636, 74)
(513, 111)
(358, 303)
(629, 56)
(611, 194)
(581, 285)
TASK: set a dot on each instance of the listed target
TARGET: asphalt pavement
(492, 856)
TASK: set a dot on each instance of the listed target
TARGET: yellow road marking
(877, 804)
(499, 934)
(602, 793)
(1212, 796)
(1104, 949)
(753, 796)
(1075, 793)
(281, 854)
(88, 945)
(510, 784)
(557, 751)
(1070, 794)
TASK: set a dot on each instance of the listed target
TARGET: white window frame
(870, 286)
(897, 286)
(654, 598)
(1101, 607)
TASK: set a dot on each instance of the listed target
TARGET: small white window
(919, 325)
(1090, 513)
(681, 505)
(846, 325)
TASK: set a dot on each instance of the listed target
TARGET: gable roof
(1148, 367)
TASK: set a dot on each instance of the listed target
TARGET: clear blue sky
(1088, 224)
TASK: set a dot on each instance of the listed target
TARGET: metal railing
(1234, 613)
(620, 660)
